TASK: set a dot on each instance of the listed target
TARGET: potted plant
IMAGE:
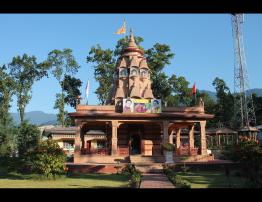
(168, 152)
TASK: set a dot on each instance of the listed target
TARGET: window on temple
(144, 73)
(134, 71)
(123, 72)
(101, 144)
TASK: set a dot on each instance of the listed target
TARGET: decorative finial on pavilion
(132, 42)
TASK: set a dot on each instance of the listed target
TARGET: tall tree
(225, 103)
(258, 108)
(181, 91)
(105, 60)
(7, 89)
(71, 87)
(158, 57)
(25, 71)
(61, 62)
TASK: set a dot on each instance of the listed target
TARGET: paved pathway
(155, 180)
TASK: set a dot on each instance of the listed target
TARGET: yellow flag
(122, 30)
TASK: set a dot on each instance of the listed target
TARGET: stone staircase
(148, 164)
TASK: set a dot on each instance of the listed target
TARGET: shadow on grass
(216, 179)
(95, 176)
(14, 176)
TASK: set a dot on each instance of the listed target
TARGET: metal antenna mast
(244, 113)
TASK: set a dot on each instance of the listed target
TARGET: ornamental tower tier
(132, 76)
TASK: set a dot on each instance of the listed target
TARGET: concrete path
(155, 180)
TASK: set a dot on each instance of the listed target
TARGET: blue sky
(202, 44)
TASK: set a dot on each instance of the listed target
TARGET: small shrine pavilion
(134, 123)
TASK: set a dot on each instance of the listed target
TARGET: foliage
(134, 175)
(7, 89)
(168, 146)
(248, 153)
(224, 108)
(7, 130)
(25, 71)
(48, 159)
(60, 105)
(176, 179)
(181, 91)
(62, 63)
(104, 65)
(28, 138)
(71, 87)
(7, 141)
(258, 108)
(158, 57)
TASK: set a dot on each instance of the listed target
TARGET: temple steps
(148, 164)
(146, 160)
(150, 168)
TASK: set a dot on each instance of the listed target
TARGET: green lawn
(14, 180)
(212, 179)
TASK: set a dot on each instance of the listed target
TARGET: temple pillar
(77, 150)
(203, 146)
(191, 136)
(171, 136)
(114, 138)
(165, 131)
(178, 131)
(191, 139)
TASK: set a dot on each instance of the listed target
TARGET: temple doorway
(135, 144)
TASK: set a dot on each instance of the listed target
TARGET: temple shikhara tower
(134, 124)
(133, 74)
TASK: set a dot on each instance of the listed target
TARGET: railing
(123, 151)
(186, 151)
(100, 151)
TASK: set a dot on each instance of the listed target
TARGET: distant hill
(210, 93)
(257, 91)
(36, 117)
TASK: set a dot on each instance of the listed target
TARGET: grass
(15, 180)
(212, 179)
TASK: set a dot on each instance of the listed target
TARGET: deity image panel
(142, 106)
(156, 106)
(128, 105)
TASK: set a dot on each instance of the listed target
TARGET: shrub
(28, 138)
(134, 175)
(168, 146)
(129, 169)
(48, 159)
(177, 180)
(248, 154)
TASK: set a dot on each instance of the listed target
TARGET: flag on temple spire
(122, 30)
(193, 91)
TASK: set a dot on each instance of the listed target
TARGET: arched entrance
(135, 144)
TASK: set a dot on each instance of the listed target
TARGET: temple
(134, 124)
